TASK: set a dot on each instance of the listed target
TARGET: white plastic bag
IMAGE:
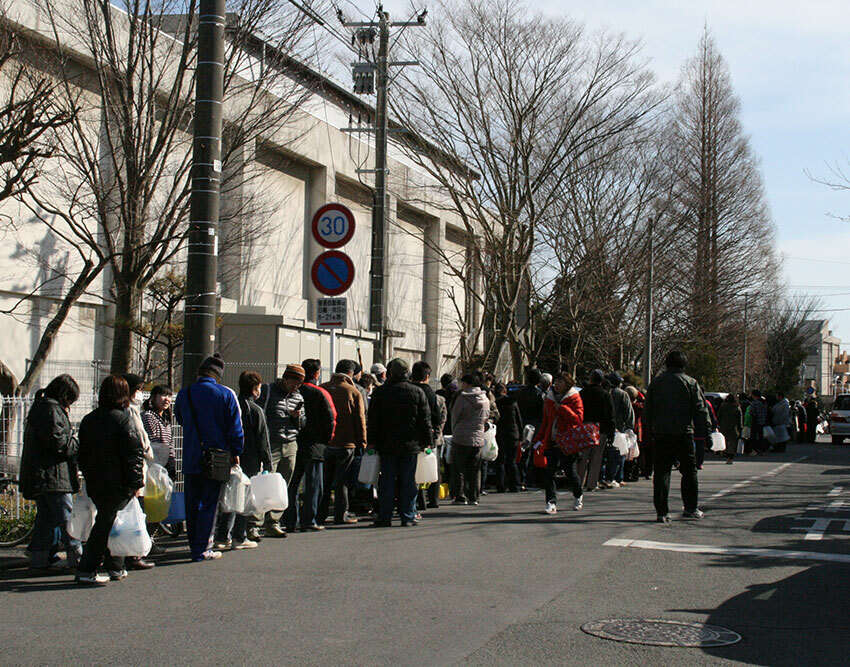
(740, 449)
(158, 488)
(634, 450)
(82, 516)
(370, 467)
(426, 467)
(236, 492)
(621, 443)
(718, 442)
(129, 533)
(268, 492)
(768, 434)
(490, 450)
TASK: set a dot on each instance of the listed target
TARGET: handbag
(578, 438)
(215, 463)
(539, 457)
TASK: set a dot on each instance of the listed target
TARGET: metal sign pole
(333, 349)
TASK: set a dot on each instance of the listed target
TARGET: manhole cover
(654, 632)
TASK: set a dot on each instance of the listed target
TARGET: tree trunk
(84, 279)
(127, 303)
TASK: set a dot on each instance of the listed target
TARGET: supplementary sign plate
(332, 313)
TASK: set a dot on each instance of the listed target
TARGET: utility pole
(746, 314)
(379, 208)
(202, 255)
(362, 81)
(647, 350)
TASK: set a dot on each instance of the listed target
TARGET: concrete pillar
(237, 191)
(435, 241)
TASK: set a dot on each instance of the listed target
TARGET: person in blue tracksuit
(218, 417)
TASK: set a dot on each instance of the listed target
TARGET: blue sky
(790, 66)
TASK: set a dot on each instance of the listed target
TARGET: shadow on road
(799, 620)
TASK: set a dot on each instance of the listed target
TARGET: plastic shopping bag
(632, 441)
(370, 467)
(718, 442)
(740, 449)
(82, 516)
(621, 443)
(129, 533)
(768, 434)
(236, 492)
(158, 488)
(490, 450)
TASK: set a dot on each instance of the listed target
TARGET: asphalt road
(501, 583)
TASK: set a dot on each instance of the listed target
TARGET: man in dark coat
(421, 377)
(399, 427)
(529, 399)
(674, 404)
(598, 409)
(312, 440)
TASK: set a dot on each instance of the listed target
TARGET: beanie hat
(213, 365)
(294, 371)
(398, 367)
(597, 375)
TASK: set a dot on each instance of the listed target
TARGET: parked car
(839, 419)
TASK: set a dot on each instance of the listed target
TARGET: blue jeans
(311, 472)
(53, 509)
(399, 469)
(231, 525)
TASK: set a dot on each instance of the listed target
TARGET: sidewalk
(13, 558)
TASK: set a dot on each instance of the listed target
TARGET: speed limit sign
(333, 225)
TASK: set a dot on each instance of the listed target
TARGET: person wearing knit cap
(210, 416)
(283, 405)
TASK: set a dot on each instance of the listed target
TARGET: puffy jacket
(48, 462)
(217, 412)
(559, 414)
(529, 399)
(509, 427)
(111, 455)
(256, 454)
(350, 430)
(283, 427)
(318, 430)
(624, 415)
(399, 418)
(598, 408)
(674, 401)
(469, 416)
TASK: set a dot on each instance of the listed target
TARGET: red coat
(567, 414)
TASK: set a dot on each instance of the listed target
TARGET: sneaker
(663, 518)
(614, 485)
(695, 514)
(274, 530)
(222, 546)
(457, 501)
(91, 578)
(254, 534)
(210, 555)
(346, 519)
(313, 527)
(623, 483)
(474, 502)
(551, 508)
(156, 550)
(579, 503)
(118, 575)
(245, 544)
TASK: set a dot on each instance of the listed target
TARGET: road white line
(752, 480)
(728, 551)
(836, 491)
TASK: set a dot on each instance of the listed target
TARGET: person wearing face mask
(135, 384)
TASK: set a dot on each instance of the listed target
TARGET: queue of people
(315, 436)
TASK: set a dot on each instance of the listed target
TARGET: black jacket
(529, 399)
(399, 420)
(256, 454)
(509, 427)
(598, 408)
(319, 427)
(48, 462)
(434, 408)
(110, 454)
(449, 395)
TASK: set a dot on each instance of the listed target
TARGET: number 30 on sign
(333, 225)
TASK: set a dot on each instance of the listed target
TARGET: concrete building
(823, 350)
(267, 300)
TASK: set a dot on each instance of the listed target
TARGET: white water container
(718, 442)
(426, 467)
(268, 492)
(370, 466)
(621, 442)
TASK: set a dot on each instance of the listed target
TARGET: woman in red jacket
(562, 410)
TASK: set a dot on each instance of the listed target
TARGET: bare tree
(514, 102)
(120, 195)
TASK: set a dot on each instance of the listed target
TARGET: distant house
(823, 351)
